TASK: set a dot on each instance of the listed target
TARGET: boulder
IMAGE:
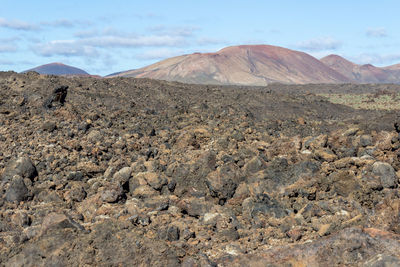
(223, 182)
(22, 166)
(262, 205)
(386, 174)
(17, 190)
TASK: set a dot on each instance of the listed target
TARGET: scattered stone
(193, 175)
(365, 140)
(172, 185)
(262, 205)
(294, 234)
(49, 126)
(112, 193)
(22, 166)
(223, 182)
(94, 136)
(17, 191)
(383, 260)
(75, 176)
(56, 221)
(324, 229)
(195, 207)
(344, 183)
(154, 180)
(21, 218)
(386, 174)
(123, 175)
(76, 193)
(57, 98)
(254, 165)
(171, 233)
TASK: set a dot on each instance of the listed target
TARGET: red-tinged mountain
(59, 69)
(340, 64)
(393, 67)
(244, 65)
(363, 73)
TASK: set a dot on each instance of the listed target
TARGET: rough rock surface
(126, 172)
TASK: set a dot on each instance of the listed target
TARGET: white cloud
(26, 26)
(320, 44)
(64, 48)
(7, 48)
(372, 58)
(210, 41)
(18, 63)
(86, 33)
(17, 25)
(157, 54)
(9, 44)
(185, 31)
(65, 23)
(139, 41)
(376, 32)
(6, 62)
(88, 46)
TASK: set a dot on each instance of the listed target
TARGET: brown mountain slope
(363, 73)
(393, 67)
(245, 64)
(340, 64)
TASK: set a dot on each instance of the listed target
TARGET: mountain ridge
(366, 73)
(254, 65)
(244, 65)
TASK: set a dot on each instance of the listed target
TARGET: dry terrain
(139, 172)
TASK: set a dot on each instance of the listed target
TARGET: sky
(104, 37)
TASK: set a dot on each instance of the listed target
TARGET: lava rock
(383, 261)
(56, 221)
(365, 140)
(112, 193)
(386, 174)
(155, 180)
(254, 165)
(344, 183)
(123, 175)
(49, 126)
(223, 182)
(75, 176)
(172, 185)
(17, 190)
(22, 166)
(170, 233)
(262, 205)
(195, 207)
(57, 97)
(76, 193)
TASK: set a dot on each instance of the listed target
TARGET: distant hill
(245, 65)
(114, 74)
(363, 73)
(58, 69)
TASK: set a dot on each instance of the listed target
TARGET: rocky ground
(125, 172)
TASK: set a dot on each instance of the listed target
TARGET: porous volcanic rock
(123, 171)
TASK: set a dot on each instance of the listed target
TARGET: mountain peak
(243, 64)
(336, 60)
(57, 68)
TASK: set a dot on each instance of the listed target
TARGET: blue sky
(103, 37)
